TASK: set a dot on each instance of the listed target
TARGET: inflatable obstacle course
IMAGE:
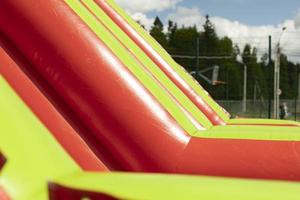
(188, 85)
(32, 167)
(84, 88)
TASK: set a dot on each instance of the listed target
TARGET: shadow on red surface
(3, 195)
(2, 160)
(58, 192)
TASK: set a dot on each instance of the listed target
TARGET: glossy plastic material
(161, 187)
(3, 194)
(131, 116)
(164, 66)
(146, 63)
(33, 155)
(99, 88)
(59, 192)
(181, 78)
(47, 113)
(2, 160)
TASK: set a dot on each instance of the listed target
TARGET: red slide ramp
(117, 109)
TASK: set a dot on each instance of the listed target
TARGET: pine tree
(157, 31)
(210, 39)
(172, 28)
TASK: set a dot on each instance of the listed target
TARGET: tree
(140, 23)
(183, 41)
(292, 73)
(172, 29)
(157, 32)
(255, 73)
(287, 78)
(209, 38)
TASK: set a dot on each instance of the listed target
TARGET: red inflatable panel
(252, 124)
(58, 192)
(92, 81)
(2, 160)
(162, 64)
(45, 111)
(242, 158)
(179, 104)
(3, 194)
(120, 113)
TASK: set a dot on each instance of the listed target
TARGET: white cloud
(239, 32)
(145, 6)
(297, 19)
(243, 33)
(138, 9)
(187, 16)
(143, 19)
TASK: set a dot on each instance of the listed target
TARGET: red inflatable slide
(114, 111)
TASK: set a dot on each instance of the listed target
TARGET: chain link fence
(259, 108)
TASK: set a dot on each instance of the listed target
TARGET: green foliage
(157, 32)
(213, 50)
(209, 39)
(255, 79)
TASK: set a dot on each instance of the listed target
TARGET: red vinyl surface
(58, 192)
(94, 84)
(253, 124)
(179, 104)
(242, 158)
(2, 160)
(162, 64)
(3, 194)
(45, 111)
(122, 115)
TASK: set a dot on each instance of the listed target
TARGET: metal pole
(255, 93)
(269, 77)
(277, 77)
(276, 82)
(227, 81)
(275, 85)
(197, 55)
(245, 90)
(298, 83)
(297, 93)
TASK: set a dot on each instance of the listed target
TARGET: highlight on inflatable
(92, 107)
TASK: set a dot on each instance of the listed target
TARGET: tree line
(188, 42)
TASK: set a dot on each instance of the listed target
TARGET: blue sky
(252, 12)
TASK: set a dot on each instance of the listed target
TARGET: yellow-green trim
(180, 70)
(250, 132)
(148, 63)
(132, 65)
(230, 132)
(178, 187)
(262, 121)
(33, 155)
